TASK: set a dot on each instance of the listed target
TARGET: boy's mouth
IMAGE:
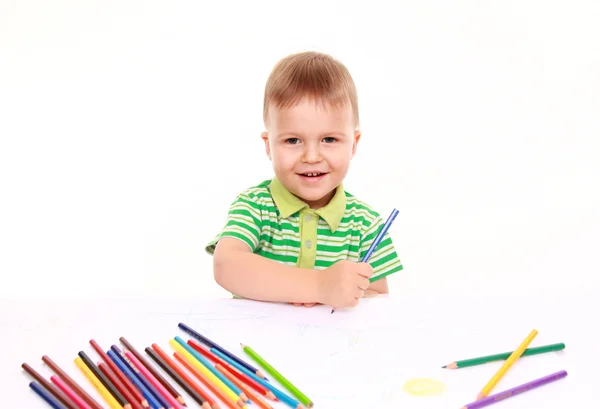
(312, 174)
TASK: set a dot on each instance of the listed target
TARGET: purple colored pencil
(516, 390)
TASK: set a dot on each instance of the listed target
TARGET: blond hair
(312, 75)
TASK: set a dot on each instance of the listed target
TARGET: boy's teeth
(312, 174)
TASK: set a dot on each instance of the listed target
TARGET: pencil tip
(444, 366)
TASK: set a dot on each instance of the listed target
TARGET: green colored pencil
(279, 377)
(504, 355)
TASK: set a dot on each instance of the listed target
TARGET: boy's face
(311, 148)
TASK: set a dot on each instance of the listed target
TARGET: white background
(128, 127)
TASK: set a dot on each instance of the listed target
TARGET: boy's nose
(312, 154)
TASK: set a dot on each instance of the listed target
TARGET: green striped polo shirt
(277, 225)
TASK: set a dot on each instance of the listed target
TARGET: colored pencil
(46, 395)
(278, 376)
(214, 345)
(124, 366)
(376, 242)
(516, 390)
(74, 385)
(184, 375)
(58, 394)
(216, 373)
(177, 378)
(207, 373)
(105, 369)
(135, 392)
(504, 355)
(153, 391)
(153, 371)
(279, 394)
(251, 395)
(507, 364)
(97, 384)
(380, 236)
(159, 387)
(69, 392)
(188, 363)
(242, 377)
(105, 381)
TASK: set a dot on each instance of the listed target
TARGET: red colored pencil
(119, 385)
(137, 394)
(242, 377)
(251, 395)
(74, 385)
(185, 376)
(224, 398)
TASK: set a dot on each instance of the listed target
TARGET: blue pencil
(118, 360)
(380, 235)
(378, 240)
(280, 395)
(215, 372)
(47, 396)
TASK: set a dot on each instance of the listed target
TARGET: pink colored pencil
(60, 384)
(159, 387)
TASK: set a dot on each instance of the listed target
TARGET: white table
(352, 359)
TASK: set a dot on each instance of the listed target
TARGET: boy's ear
(265, 138)
(357, 135)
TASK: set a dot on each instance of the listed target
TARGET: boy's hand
(344, 283)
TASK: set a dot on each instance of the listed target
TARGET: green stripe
(239, 236)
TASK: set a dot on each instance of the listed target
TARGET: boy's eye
(292, 140)
(329, 139)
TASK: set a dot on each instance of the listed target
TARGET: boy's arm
(240, 271)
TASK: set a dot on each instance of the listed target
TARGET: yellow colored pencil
(507, 364)
(112, 402)
(204, 371)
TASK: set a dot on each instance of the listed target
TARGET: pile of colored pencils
(126, 379)
(484, 398)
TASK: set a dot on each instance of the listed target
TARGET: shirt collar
(288, 204)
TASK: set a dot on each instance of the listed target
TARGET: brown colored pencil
(119, 385)
(218, 392)
(153, 371)
(137, 394)
(72, 384)
(105, 381)
(251, 395)
(173, 374)
(58, 394)
(207, 397)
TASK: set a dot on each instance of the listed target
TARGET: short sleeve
(384, 258)
(244, 222)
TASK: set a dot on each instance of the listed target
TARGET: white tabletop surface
(352, 359)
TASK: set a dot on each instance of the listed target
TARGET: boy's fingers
(364, 284)
(365, 270)
(310, 304)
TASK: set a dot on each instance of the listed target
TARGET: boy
(299, 237)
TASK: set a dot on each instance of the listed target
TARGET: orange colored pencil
(137, 394)
(185, 376)
(119, 385)
(251, 395)
(224, 398)
(242, 377)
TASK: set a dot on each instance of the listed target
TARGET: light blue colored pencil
(279, 394)
(208, 366)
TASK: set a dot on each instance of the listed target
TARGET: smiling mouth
(312, 174)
